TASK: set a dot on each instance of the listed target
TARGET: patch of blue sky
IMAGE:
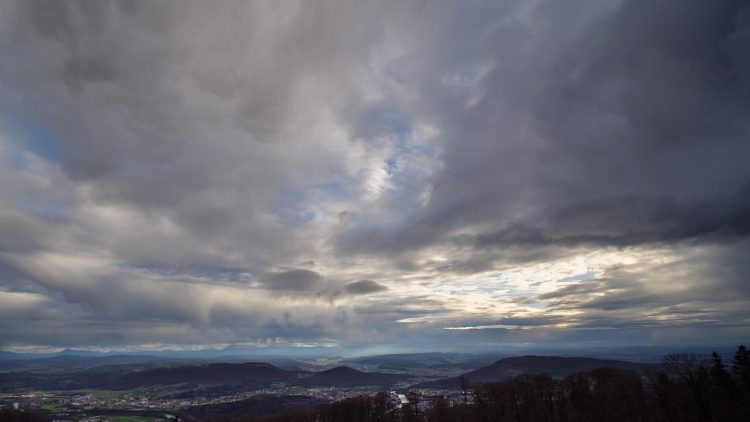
(296, 198)
(589, 275)
(392, 165)
(37, 138)
(296, 208)
(390, 120)
(513, 293)
(489, 288)
(307, 215)
(398, 125)
(495, 285)
(203, 271)
(44, 209)
(426, 149)
(406, 152)
(292, 218)
(492, 286)
(334, 190)
(384, 120)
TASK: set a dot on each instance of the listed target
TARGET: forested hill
(553, 365)
(343, 376)
(247, 375)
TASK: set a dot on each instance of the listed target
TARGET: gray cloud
(634, 220)
(165, 167)
(363, 287)
(593, 138)
(292, 280)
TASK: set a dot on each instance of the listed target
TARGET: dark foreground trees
(600, 395)
(689, 388)
(11, 415)
(683, 388)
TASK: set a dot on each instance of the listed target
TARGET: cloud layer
(356, 174)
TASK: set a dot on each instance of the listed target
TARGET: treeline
(11, 415)
(683, 388)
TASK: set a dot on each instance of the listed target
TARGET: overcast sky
(362, 175)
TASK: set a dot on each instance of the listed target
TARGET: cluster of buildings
(69, 404)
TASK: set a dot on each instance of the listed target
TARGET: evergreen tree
(741, 367)
(700, 389)
(721, 380)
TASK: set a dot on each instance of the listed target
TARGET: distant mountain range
(247, 375)
(210, 353)
(77, 361)
(410, 360)
(513, 366)
(258, 374)
(71, 360)
(344, 376)
(211, 374)
(124, 372)
(398, 362)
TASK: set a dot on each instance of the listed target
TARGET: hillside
(434, 360)
(553, 365)
(343, 376)
(243, 375)
(217, 373)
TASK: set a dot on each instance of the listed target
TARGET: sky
(374, 176)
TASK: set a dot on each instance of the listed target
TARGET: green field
(52, 408)
(152, 390)
(105, 394)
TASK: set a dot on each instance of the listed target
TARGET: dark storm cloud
(292, 280)
(399, 308)
(634, 220)
(363, 287)
(605, 127)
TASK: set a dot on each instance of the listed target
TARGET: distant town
(677, 387)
